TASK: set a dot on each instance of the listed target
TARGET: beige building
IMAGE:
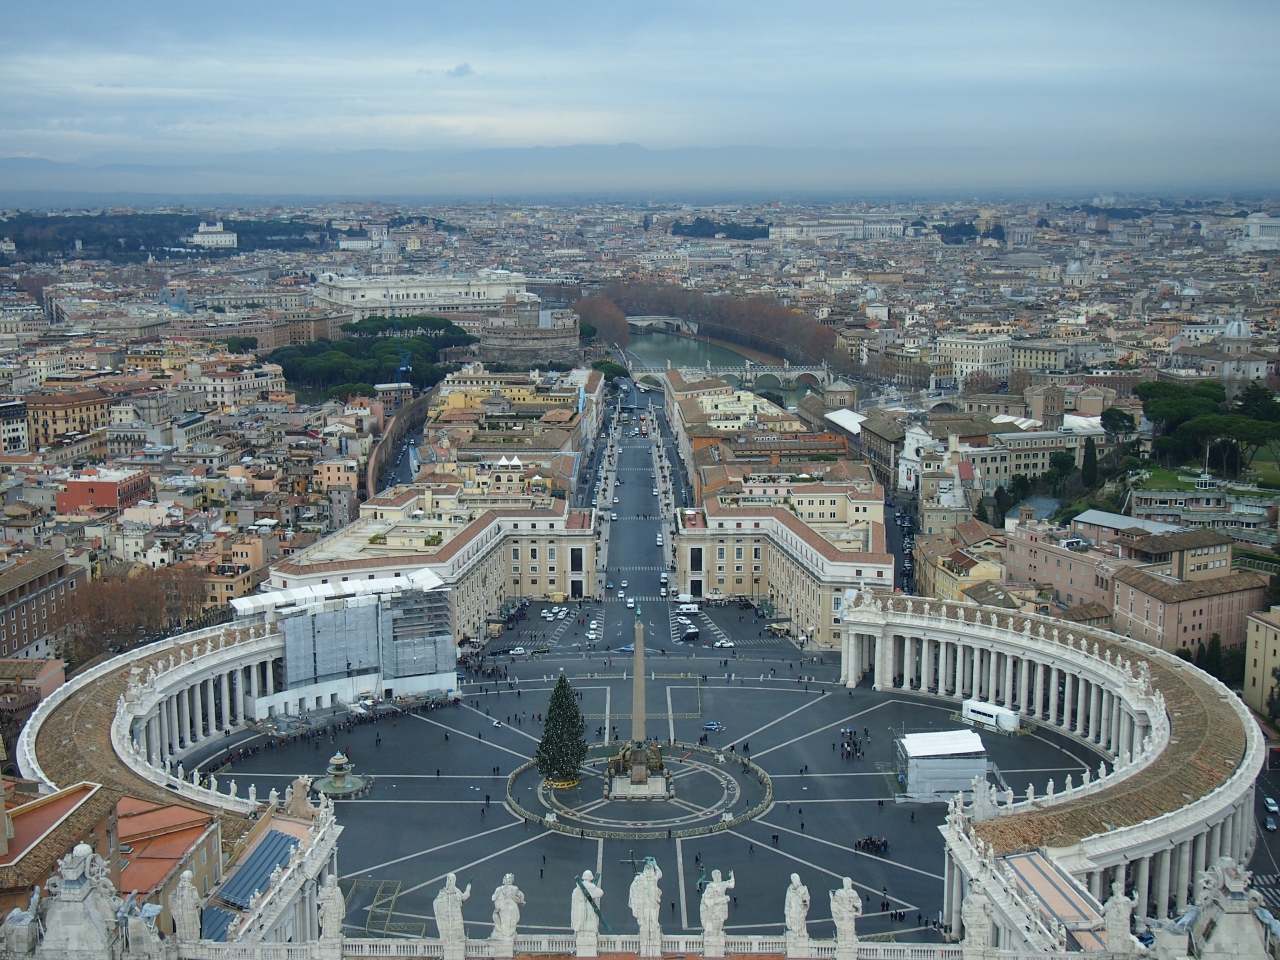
(1261, 657)
(486, 550)
(748, 546)
(1169, 614)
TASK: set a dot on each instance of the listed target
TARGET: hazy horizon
(567, 99)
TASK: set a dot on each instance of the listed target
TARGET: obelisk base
(653, 788)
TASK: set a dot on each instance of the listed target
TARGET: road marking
(473, 863)
(760, 730)
(838, 723)
(429, 850)
(684, 911)
(507, 726)
(850, 850)
(487, 743)
(831, 873)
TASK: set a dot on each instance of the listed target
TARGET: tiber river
(655, 349)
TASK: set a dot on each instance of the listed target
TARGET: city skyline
(567, 100)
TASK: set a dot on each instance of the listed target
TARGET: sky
(1114, 95)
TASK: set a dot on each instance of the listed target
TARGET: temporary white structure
(937, 766)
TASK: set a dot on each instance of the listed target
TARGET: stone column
(184, 718)
(224, 701)
(1037, 689)
(1143, 892)
(1095, 714)
(1228, 835)
(884, 661)
(991, 676)
(1184, 876)
(1008, 682)
(1162, 885)
(1082, 718)
(1215, 842)
(1095, 884)
(199, 705)
(908, 661)
(153, 738)
(1068, 683)
(1198, 855)
(1053, 695)
(1024, 686)
(957, 900)
(171, 707)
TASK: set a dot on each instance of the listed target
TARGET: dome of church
(1075, 267)
(1237, 329)
(1190, 291)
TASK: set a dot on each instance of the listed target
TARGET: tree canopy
(563, 746)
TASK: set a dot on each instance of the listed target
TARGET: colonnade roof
(1207, 743)
(74, 744)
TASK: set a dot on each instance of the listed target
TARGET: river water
(655, 349)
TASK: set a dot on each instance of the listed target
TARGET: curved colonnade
(1174, 794)
(171, 697)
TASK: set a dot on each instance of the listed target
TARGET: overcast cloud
(974, 92)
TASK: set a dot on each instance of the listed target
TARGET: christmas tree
(563, 747)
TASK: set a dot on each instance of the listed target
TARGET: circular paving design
(712, 791)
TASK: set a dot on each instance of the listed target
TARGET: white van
(687, 608)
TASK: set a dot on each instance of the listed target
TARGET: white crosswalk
(1266, 886)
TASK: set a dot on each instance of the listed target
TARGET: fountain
(340, 782)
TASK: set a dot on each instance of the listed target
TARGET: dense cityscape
(537, 481)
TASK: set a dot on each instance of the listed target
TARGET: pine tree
(1089, 466)
(563, 746)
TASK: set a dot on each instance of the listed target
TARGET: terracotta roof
(1206, 744)
(1188, 540)
(47, 827)
(37, 563)
(1086, 611)
(1167, 592)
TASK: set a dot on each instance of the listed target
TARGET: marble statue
(645, 900)
(714, 911)
(1118, 917)
(975, 914)
(846, 908)
(195, 778)
(507, 900)
(448, 911)
(184, 905)
(583, 903)
(232, 789)
(297, 799)
(332, 908)
(182, 772)
(273, 797)
(796, 910)
(253, 793)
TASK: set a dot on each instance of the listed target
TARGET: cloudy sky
(1112, 94)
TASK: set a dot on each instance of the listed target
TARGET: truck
(685, 598)
(977, 713)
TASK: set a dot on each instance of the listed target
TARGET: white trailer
(988, 715)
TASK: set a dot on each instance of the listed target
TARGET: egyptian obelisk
(639, 756)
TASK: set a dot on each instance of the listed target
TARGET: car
(662, 592)
(595, 501)
(726, 644)
(621, 594)
(593, 625)
(517, 651)
(616, 501)
(629, 648)
(613, 515)
(623, 584)
(562, 614)
(663, 578)
(685, 620)
(655, 491)
(631, 603)
(608, 585)
(1270, 823)
(653, 476)
(1271, 805)
(715, 726)
(659, 540)
(592, 636)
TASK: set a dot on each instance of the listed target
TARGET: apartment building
(54, 415)
(34, 590)
(1245, 511)
(103, 488)
(1170, 614)
(1039, 355)
(406, 295)
(1261, 659)
(967, 354)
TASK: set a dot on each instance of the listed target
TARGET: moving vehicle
(1271, 805)
(517, 651)
(662, 592)
(1270, 823)
(623, 584)
(715, 726)
(726, 644)
(631, 603)
(629, 648)
(613, 516)
(663, 578)
(622, 594)
(687, 608)
(691, 635)
(685, 620)
(608, 585)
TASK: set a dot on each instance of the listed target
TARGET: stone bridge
(649, 324)
(755, 375)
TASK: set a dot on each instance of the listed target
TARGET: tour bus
(989, 715)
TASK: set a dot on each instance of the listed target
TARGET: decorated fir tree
(563, 747)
